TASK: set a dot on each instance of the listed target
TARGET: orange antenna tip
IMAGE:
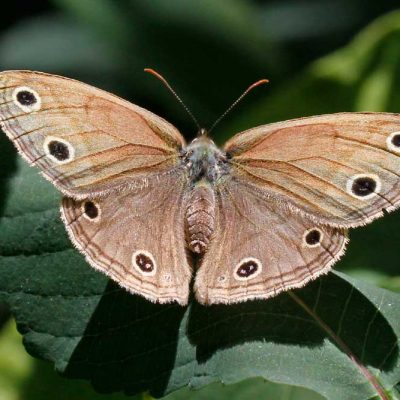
(251, 87)
(168, 86)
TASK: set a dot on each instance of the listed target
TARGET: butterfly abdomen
(200, 217)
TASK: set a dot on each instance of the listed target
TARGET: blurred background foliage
(320, 56)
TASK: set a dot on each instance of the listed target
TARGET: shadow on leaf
(327, 309)
(129, 343)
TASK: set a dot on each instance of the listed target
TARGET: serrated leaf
(337, 336)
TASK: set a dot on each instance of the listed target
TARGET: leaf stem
(343, 346)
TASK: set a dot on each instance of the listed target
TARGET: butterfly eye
(228, 156)
(312, 237)
(26, 99)
(393, 142)
(144, 262)
(59, 150)
(91, 211)
(247, 268)
(363, 187)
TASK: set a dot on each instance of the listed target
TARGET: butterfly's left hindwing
(136, 238)
(260, 250)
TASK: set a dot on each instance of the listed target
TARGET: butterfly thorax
(204, 160)
(205, 164)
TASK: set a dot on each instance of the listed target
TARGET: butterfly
(267, 213)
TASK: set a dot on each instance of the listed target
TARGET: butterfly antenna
(164, 81)
(234, 104)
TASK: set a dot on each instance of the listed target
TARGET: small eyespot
(312, 237)
(26, 99)
(91, 210)
(59, 150)
(221, 278)
(393, 142)
(167, 278)
(364, 186)
(144, 262)
(247, 268)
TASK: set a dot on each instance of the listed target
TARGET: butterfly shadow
(327, 309)
(8, 168)
(129, 344)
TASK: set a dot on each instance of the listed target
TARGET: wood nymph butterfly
(265, 214)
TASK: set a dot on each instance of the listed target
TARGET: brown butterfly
(265, 214)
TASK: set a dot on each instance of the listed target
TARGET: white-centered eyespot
(143, 261)
(364, 186)
(312, 237)
(247, 268)
(26, 99)
(393, 142)
(91, 211)
(58, 150)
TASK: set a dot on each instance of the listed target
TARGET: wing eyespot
(312, 237)
(364, 186)
(58, 150)
(144, 262)
(91, 210)
(393, 142)
(27, 99)
(247, 268)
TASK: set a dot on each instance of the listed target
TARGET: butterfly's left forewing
(260, 250)
(86, 141)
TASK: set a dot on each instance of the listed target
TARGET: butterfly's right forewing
(340, 169)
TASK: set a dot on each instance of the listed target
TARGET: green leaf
(22, 377)
(337, 336)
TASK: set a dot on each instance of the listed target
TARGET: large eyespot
(393, 142)
(59, 150)
(312, 237)
(247, 268)
(144, 262)
(91, 210)
(26, 99)
(364, 186)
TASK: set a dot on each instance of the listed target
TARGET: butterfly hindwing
(130, 237)
(261, 250)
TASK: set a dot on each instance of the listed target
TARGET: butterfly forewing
(341, 169)
(85, 140)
